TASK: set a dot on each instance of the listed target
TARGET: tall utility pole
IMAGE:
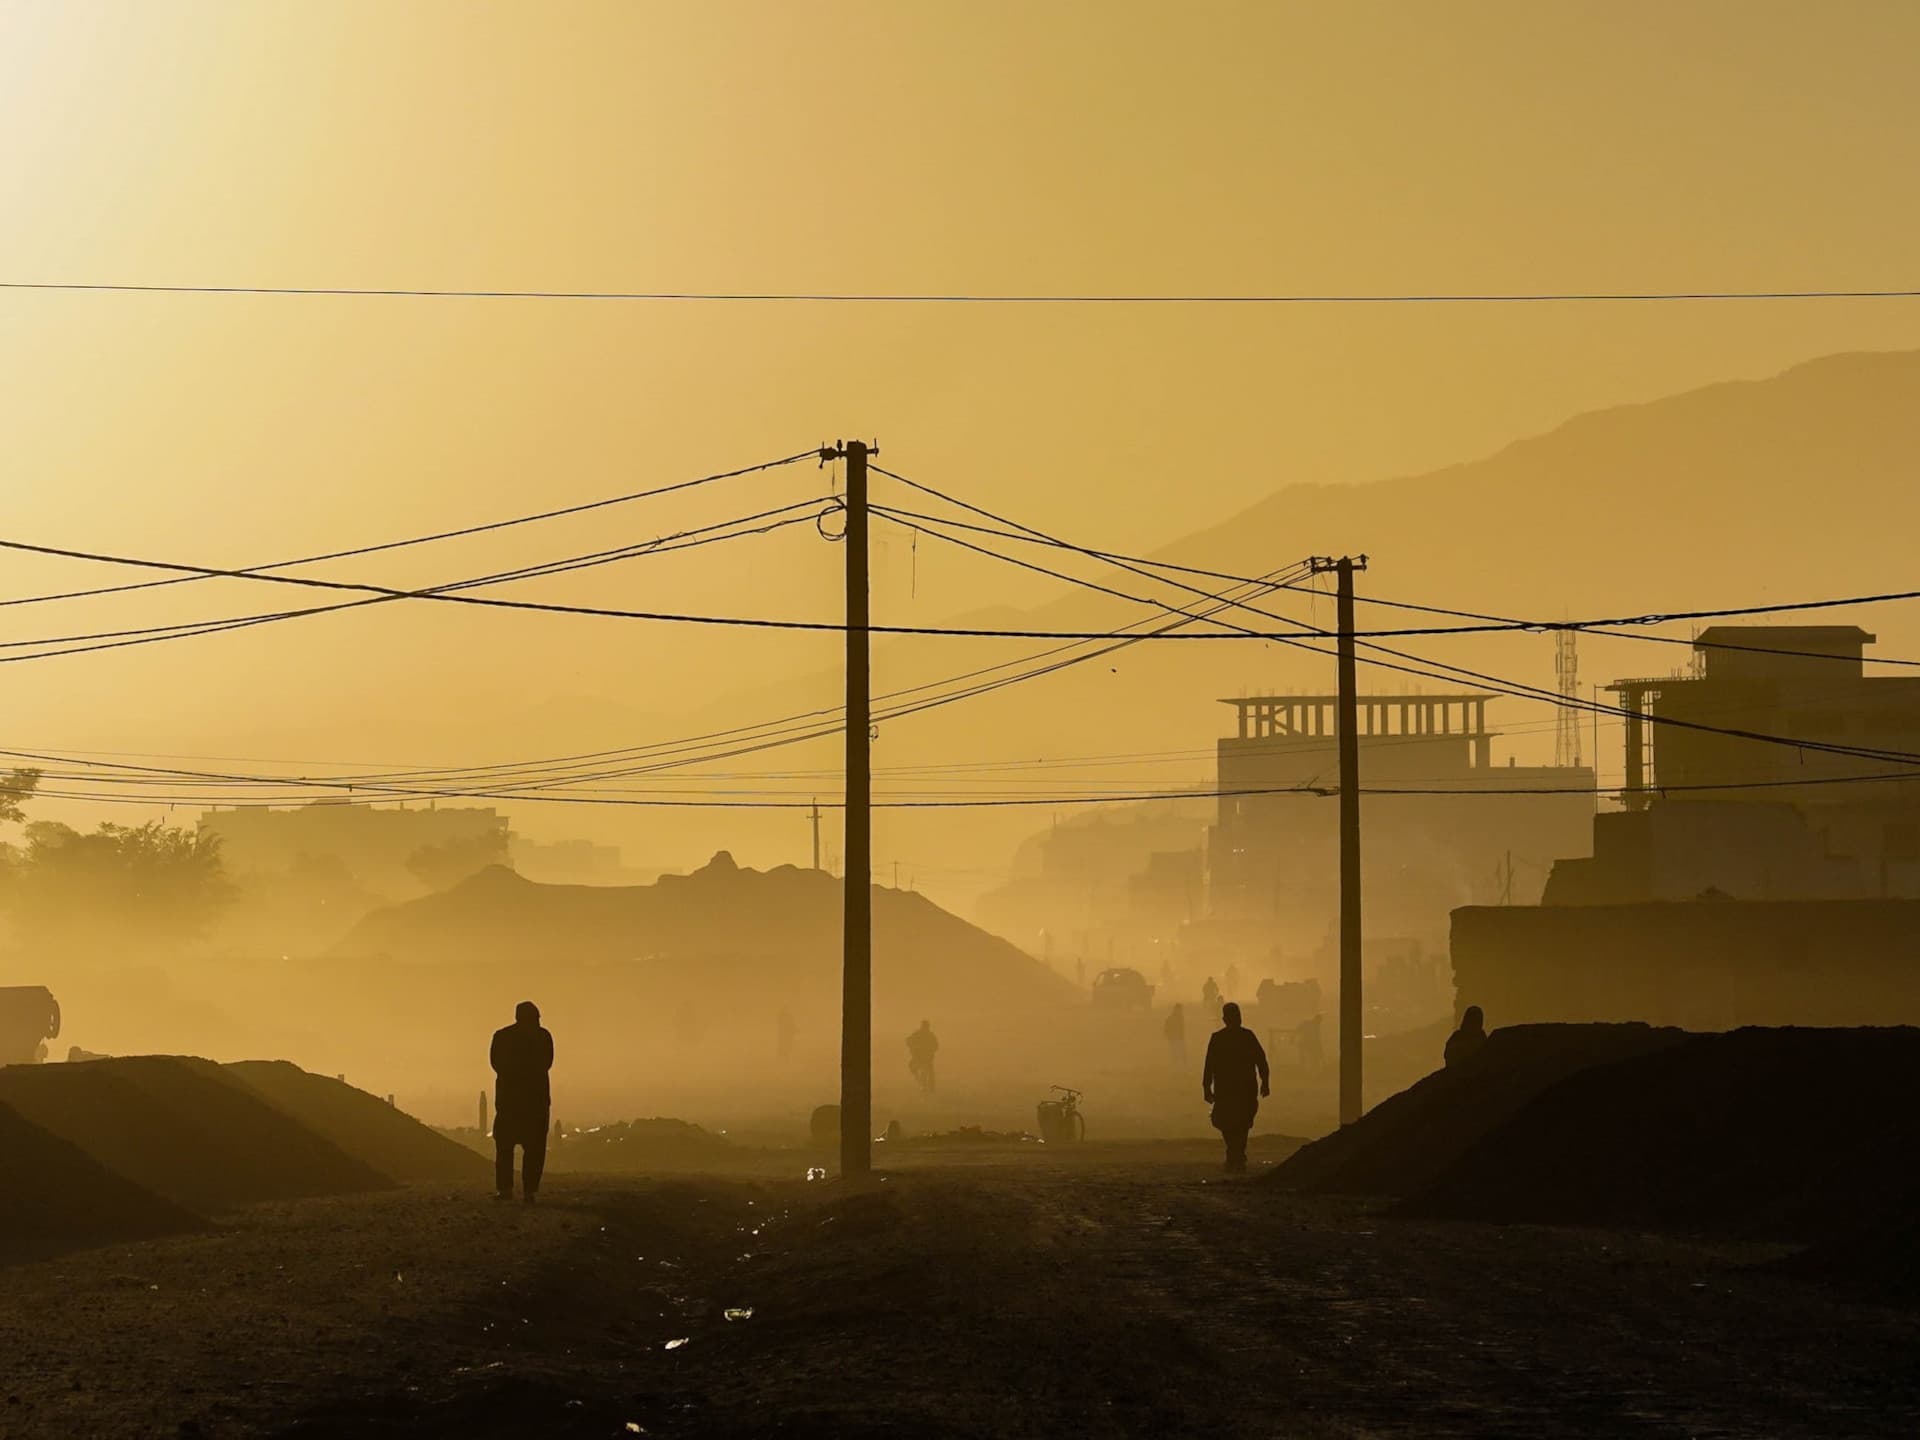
(815, 817)
(1349, 728)
(856, 974)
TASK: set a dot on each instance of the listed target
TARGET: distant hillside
(1700, 498)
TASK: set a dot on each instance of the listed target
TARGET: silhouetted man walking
(1176, 1032)
(1236, 1063)
(522, 1054)
(922, 1046)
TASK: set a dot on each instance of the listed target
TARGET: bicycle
(1060, 1120)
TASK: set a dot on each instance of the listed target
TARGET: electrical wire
(193, 629)
(955, 631)
(1496, 622)
(439, 535)
(760, 740)
(1505, 687)
(1492, 623)
(1316, 791)
(976, 298)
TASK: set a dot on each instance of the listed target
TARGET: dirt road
(1132, 1293)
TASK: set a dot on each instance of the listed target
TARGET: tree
(15, 790)
(150, 883)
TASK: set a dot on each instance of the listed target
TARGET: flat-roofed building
(1461, 829)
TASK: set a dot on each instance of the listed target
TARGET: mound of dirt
(363, 1126)
(636, 1144)
(1878, 1263)
(971, 1135)
(1406, 1142)
(183, 1129)
(1796, 1134)
(774, 934)
(55, 1197)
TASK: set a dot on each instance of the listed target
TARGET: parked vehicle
(29, 1017)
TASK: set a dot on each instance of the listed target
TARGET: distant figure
(1307, 1043)
(1210, 997)
(522, 1054)
(783, 1033)
(824, 1126)
(1236, 1061)
(1232, 992)
(922, 1045)
(1176, 1029)
(1465, 1042)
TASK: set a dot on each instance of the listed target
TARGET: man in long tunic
(522, 1056)
(922, 1046)
(1234, 1082)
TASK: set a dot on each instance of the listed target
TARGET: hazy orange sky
(892, 147)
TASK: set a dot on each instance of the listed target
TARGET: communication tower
(1566, 671)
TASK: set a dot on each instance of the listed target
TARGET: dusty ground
(1132, 1292)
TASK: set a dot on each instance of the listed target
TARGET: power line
(1084, 584)
(854, 297)
(1507, 687)
(949, 631)
(1496, 622)
(1120, 640)
(599, 611)
(182, 630)
(546, 773)
(972, 803)
(1493, 623)
(439, 535)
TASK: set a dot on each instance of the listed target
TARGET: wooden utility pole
(815, 817)
(1351, 1011)
(856, 975)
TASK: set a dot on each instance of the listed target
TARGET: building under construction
(1763, 866)
(1444, 825)
(1715, 802)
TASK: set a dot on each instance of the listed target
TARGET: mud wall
(1703, 965)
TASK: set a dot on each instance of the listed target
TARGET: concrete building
(1115, 885)
(1743, 882)
(390, 850)
(1705, 811)
(1467, 829)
